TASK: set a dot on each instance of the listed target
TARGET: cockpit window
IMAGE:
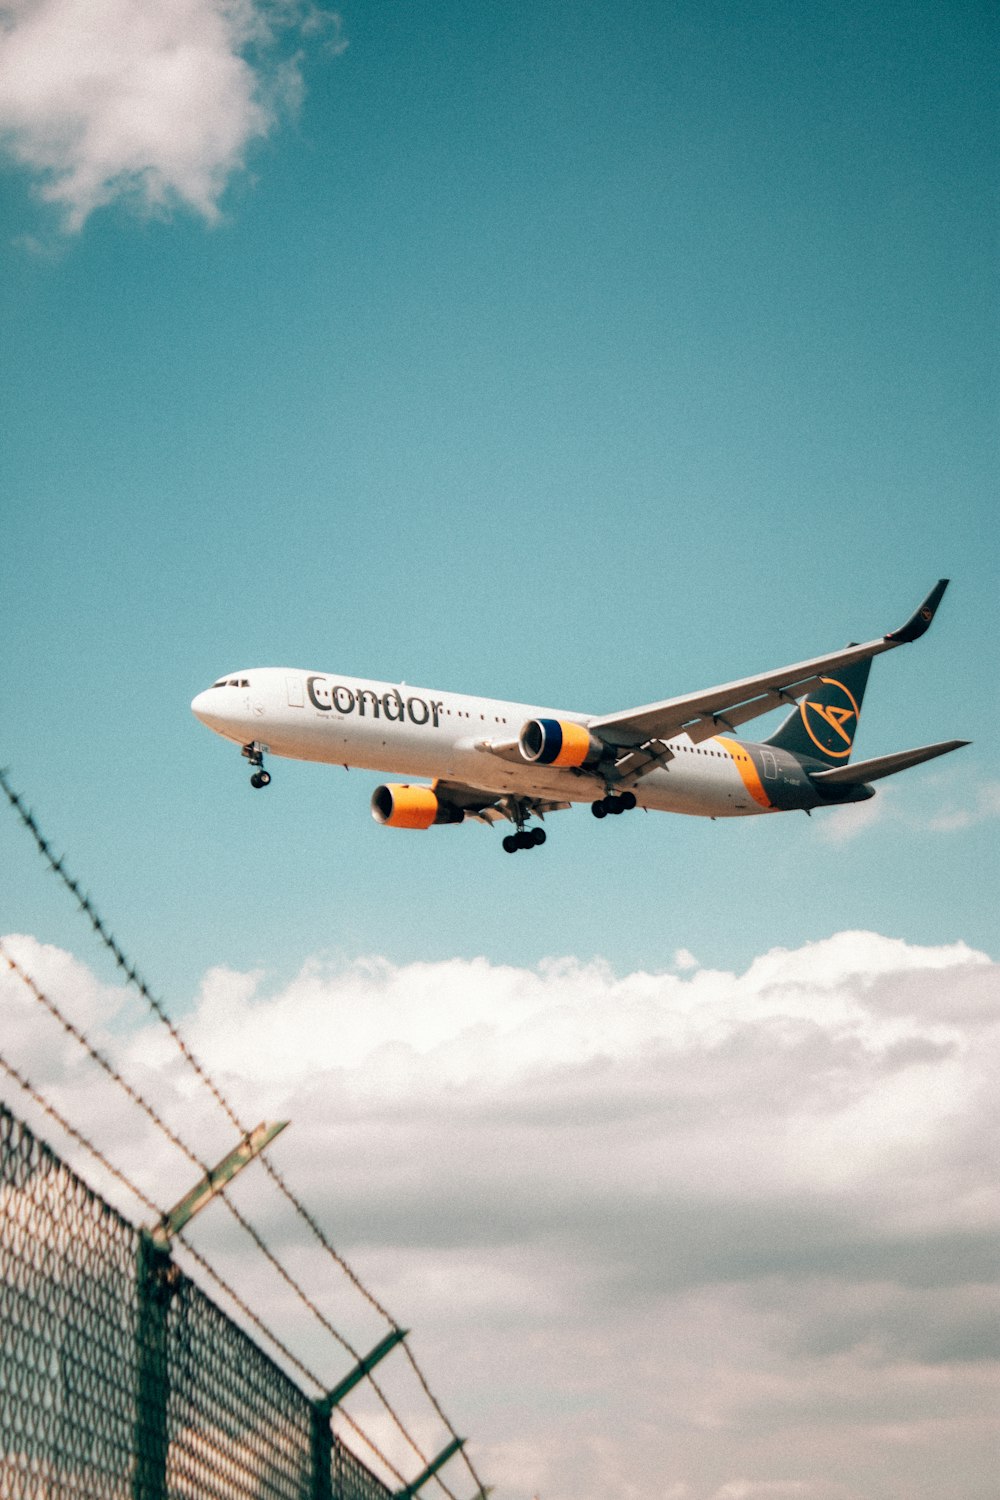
(221, 682)
(232, 682)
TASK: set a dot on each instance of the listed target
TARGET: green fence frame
(121, 1380)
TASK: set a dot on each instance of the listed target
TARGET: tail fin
(825, 723)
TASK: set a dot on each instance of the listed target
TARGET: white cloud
(841, 825)
(107, 99)
(31, 1036)
(406, 1031)
(981, 804)
(985, 806)
(695, 1234)
(750, 1489)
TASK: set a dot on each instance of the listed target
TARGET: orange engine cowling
(401, 806)
(558, 742)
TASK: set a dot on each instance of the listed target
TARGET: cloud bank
(703, 1235)
(156, 104)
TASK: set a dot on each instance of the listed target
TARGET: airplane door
(295, 692)
(770, 765)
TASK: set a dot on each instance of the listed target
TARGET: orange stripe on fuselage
(747, 770)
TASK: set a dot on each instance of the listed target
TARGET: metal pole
(322, 1453)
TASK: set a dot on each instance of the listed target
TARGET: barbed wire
(133, 977)
(108, 1067)
(370, 1444)
(77, 1135)
(248, 1312)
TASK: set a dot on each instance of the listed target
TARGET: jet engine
(402, 806)
(557, 742)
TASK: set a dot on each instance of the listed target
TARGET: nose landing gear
(254, 753)
(613, 803)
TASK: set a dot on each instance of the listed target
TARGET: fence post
(322, 1453)
(155, 1281)
(156, 1277)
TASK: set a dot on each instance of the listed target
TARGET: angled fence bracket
(432, 1468)
(364, 1367)
(213, 1182)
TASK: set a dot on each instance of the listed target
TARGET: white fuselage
(410, 731)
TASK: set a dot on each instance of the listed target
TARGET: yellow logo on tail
(831, 726)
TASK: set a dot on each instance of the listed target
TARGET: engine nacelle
(558, 742)
(401, 806)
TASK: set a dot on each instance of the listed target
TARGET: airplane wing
(701, 715)
(493, 807)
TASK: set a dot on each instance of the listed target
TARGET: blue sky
(578, 354)
(575, 355)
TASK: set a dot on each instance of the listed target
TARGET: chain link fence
(120, 1379)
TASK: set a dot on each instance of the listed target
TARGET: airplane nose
(200, 706)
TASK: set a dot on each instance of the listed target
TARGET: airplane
(492, 761)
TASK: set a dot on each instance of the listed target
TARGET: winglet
(919, 622)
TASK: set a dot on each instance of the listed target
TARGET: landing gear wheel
(254, 753)
(524, 838)
(614, 803)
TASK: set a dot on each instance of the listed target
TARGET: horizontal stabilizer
(883, 765)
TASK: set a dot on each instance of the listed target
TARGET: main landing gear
(524, 838)
(254, 753)
(519, 810)
(614, 802)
